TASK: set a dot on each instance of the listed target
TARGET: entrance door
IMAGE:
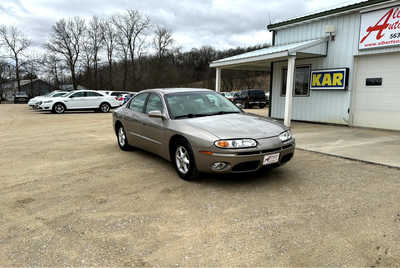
(376, 99)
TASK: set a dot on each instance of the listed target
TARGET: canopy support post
(289, 90)
(218, 80)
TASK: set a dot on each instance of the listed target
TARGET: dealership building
(341, 65)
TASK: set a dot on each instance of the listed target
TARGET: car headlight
(236, 143)
(49, 101)
(285, 136)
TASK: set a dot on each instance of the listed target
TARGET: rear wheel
(58, 108)
(105, 107)
(122, 139)
(183, 161)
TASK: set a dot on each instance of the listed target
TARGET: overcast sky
(218, 23)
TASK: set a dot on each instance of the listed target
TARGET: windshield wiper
(224, 112)
(189, 116)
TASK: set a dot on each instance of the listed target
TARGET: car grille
(266, 151)
(246, 166)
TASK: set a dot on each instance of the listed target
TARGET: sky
(219, 23)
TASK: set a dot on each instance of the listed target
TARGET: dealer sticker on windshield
(271, 159)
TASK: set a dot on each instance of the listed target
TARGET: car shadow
(71, 112)
(258, 178)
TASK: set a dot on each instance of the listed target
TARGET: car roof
(175, 90)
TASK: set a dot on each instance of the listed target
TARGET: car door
(153, 128)
(134, 120)
(93, 99)
(76, 100)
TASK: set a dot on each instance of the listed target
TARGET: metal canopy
(259, 60)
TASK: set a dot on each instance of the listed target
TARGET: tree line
(124, 51)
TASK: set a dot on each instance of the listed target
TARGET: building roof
(69, 87)
(14, 84)
(342, 9)
(315, 47)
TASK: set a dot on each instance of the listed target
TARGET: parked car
(267, 96)
(80, 100)
(21, 97)
(228, 95)
(56, 93)
(117, 95)
(250, 97)
(199, 130)
(126, 97)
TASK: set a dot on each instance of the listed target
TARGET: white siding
(320, 106)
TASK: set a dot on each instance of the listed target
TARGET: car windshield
(196, 104)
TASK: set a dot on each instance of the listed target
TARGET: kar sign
(380, 28)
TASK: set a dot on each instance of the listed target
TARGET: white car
(37, 100)
(80, 100)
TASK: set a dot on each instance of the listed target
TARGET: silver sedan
(199, 130)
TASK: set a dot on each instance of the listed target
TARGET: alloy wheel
(182, 159)
(121, 137)
(59, 108)
(105, 108)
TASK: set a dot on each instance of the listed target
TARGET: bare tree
(4, 75)
(96, 43)
(131, 28)
(31, 69)
(162, 41)
(53, 67)
(65, 40)
(110, 39)
(15, 43)
(87, 56)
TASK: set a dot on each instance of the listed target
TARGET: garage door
(376, 99)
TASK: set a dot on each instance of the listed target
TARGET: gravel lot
(69, 196)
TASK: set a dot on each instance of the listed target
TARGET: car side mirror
(156, 114)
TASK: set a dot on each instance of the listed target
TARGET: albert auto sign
(380, 28)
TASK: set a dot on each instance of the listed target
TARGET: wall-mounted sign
(330, 79)
(380, 28)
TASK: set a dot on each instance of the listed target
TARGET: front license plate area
(271, 159)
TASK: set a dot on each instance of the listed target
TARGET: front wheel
(105, 107)
(122, 139)
(183, 161)
(58, 108)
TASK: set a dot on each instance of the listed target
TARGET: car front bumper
(44, 106)
(245, 161)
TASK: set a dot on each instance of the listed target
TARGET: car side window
(154, 104)
(137, 104)
(78, 94)
(94, 94)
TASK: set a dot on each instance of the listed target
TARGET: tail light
(121, 98)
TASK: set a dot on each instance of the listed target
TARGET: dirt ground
(70, 197)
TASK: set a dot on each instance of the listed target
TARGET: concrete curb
(349, 158)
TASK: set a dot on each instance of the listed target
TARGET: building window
(375, 82)
(302, 81)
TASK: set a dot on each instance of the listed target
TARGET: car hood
(232, 126)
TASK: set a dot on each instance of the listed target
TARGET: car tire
(183, 160)
(122, 139)
(58, 108)
(105, 107)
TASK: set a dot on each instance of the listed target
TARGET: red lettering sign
(379, 27)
